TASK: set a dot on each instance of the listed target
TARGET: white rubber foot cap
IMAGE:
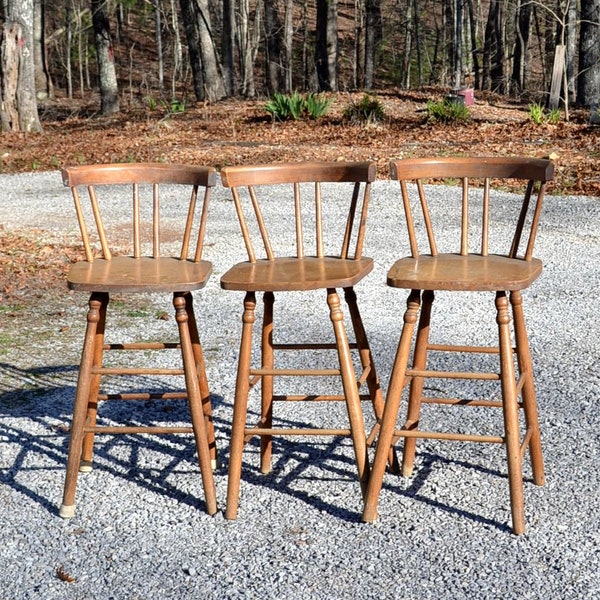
(67, 512)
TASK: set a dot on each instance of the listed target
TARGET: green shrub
(447, 111)
(536, 113)
(316, 105)
(278, 107)
(367, 110)
(294, 106)
(554, 116)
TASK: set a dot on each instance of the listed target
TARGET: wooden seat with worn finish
(286, 265)
(466, 268)
(121, 265)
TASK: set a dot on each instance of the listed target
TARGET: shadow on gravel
(35, 415)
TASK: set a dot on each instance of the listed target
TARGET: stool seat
(291, 273)
(473, 273)
(145, 274)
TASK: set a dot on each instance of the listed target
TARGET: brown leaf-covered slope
(236, 131)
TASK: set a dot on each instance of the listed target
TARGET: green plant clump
(446, 111)
(538, 115)
(554, 116)
(283, 107)
(367, 110)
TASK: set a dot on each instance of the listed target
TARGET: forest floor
(236, 131)
(240, 131)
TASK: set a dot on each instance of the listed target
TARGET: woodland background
(188, 80)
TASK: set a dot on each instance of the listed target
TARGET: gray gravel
(140, 530)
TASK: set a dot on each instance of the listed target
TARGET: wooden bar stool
(502, 263)
(285, 266)
(136, 267)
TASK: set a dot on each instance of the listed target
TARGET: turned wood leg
(355, 416)
(266, 417)
(202, 379)
(392, 405)
(195, 402)
(511, 414)
(528, 393)
(416, 384)
(372, 380)
(87, 451)
(240, 408)
(80, 408)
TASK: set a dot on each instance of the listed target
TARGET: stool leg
(80, 408)
(266, 417)
(529, 401)
(240, 408)
(195, 402)
(355, 416)
(85, 466)
(416, 384)
(511, 416)
(392, 405)
(372, 380)
(202, 379)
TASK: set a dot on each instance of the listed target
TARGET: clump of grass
(284, 107)
(368, 110)
(447, 111)
(536, 113)
(539, 116)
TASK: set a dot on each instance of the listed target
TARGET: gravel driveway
(140, 530)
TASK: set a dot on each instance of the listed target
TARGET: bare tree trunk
(588, 83)
(69, 38)
(305, 45)
(408, 42)
(327, 45)
(493, 52)
(474, 48)
(109, 90)
(571, 43)
(158, 37)
(358, 70)
(227, 45)
(520, 59)
(17, 83)
(208, 82)
(372, 37)
(248, 36)
(193, 40)
(43, 83)
(273, 31)
(177, 49)
(288, 35)
(457, 57)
